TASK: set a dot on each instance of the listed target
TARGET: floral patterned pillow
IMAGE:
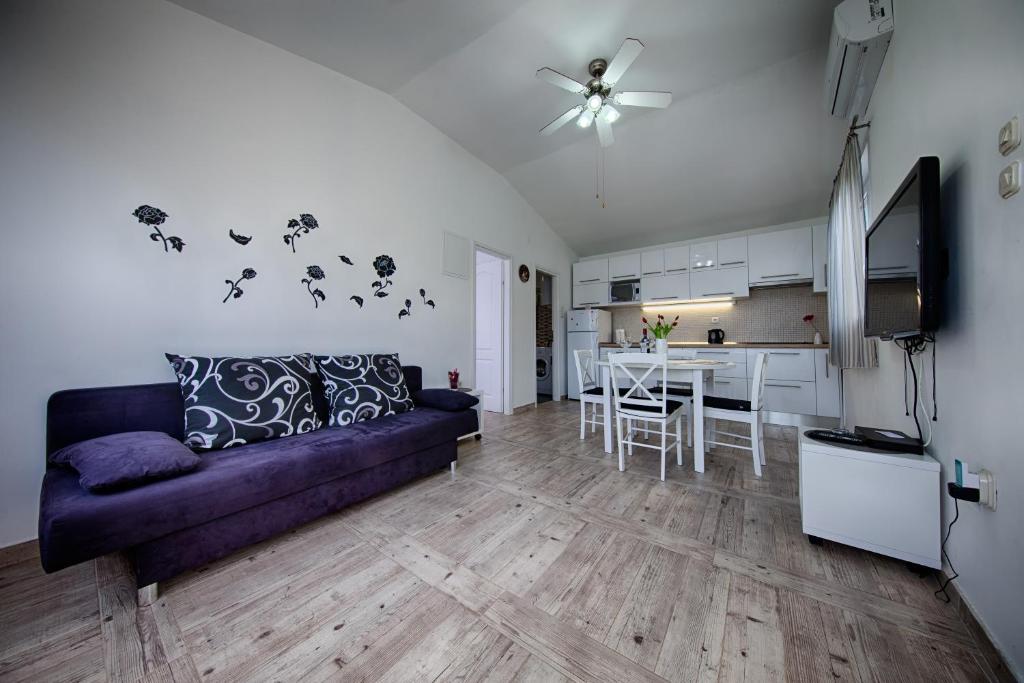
(235, 401)
(362, 387)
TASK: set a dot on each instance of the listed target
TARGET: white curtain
(846, 234)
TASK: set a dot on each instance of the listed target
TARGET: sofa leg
(148, 595)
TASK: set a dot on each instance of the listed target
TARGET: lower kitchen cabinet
(826, 385)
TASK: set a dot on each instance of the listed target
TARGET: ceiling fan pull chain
(604, 181)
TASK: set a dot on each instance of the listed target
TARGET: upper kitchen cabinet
(652, 262)
(655, 288)
(587, 272)
(732, 252)
(677, 260)
(719, 283)
(780, 257)
(704, 256)
(624, 267)
(590, 294)
(819, 253)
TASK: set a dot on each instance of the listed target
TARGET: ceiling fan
(597, 93)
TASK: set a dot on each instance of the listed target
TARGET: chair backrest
(629, 373)
(586, 371)
(757, 386)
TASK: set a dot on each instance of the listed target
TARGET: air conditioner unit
(861, 32)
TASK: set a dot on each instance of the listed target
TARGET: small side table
(479, 408)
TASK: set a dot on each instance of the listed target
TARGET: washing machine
(544, 370)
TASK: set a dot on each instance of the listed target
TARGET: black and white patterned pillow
(362, 387)
(234, 401)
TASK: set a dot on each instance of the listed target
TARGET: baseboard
(999, 669)
(19, 552)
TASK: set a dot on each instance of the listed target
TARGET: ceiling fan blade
(561, 120)
(658, 100)
(630, 50)
(560, 80)
(604, 132)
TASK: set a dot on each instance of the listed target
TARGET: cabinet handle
(731, 263)
(784, 353)
(714, 353)
(718, 294)
(619, 277)
(765, 277)
(663, 298)
(783, 386)
(673, 270)
(589, 303)
(593, 279)
(722, 381)
(890, 268)
(651, 272)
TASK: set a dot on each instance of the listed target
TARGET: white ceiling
(745, 143)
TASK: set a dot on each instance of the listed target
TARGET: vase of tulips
(661, 329)
(809, 319)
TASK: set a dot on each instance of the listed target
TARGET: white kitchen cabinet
(724, 386)
(586, 272)
(786, 364)
(677, 259)
(826, 385)
(819, 256)
(590, 294)
(717, 284)
(665, 287)
(732, 252)
(704, 256)
(780, 257)
(624, 267)
(726, 355)
(789, 396)
(652, 262)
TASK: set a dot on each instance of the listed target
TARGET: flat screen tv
(905, 259)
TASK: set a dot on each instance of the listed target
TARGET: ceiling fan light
(594, 102)
(585, 119)
(610, 113)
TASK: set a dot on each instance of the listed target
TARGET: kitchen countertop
(729, 345)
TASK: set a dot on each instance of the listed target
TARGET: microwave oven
(624, 291)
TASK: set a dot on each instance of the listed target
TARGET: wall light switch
(1009, 136)
(1009, 180)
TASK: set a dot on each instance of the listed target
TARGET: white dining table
(679, 370)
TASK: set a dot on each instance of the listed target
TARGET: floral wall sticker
(428, 302)
(407, 310)
(240, 239)
(385, 267)
(358, 299)
(236, 291)
(154, 218)
(346, 260)
(300, 227)
(314, 273)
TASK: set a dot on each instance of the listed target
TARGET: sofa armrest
(444, 399)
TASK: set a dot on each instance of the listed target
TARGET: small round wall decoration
(524, 273)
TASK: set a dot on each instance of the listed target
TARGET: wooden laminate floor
(539, 562)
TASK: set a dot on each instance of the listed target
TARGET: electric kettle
(716, 336)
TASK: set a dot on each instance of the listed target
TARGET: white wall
(114, 103)
(951, 79)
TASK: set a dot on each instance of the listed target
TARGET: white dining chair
(738, 410)
(635, 402)
(591, 392)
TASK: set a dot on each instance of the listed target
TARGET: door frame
(557, 317)
(506, 326)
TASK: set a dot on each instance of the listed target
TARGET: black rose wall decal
(423, 295)
(236, 291)
(358, 299)
(154, 218)
(240, 239)
(385, 267)
(346, 260)
(314, 273)
(300, 227)
(407, 310)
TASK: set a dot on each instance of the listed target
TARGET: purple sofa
(237, 496)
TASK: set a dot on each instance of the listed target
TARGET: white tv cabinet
(884, 502)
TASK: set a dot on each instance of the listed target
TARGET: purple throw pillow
(120, 461)
(445, 399)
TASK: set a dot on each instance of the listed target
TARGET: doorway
(492, 329)
(545, 337)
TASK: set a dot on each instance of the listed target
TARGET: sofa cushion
(363, 387)
(235, 401)
(76, 525)
(445, 399)
(120, 461)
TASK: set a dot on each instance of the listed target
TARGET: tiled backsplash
(771, 314)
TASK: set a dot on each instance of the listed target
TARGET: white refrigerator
(585, 330)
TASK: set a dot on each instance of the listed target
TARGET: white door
(489, 344)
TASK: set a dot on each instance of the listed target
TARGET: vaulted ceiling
(745, 143)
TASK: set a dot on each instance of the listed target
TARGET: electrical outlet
(714, 318)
